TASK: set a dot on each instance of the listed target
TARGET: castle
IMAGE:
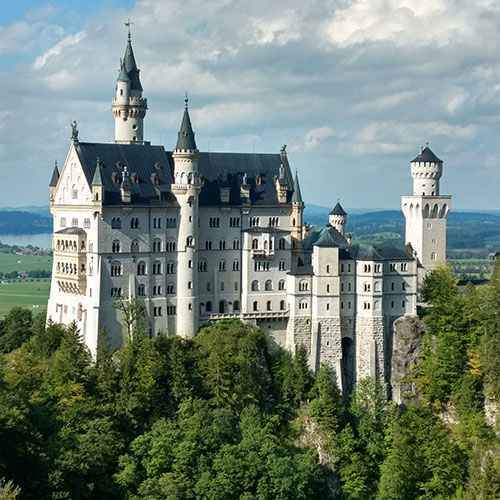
(200, 237)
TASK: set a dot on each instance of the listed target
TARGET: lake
(43, 240)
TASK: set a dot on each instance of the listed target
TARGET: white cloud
(314, 137)
(13, 38)
(58, 48)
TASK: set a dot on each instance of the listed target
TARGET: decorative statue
(74, 131)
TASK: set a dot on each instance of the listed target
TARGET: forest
(223, 417)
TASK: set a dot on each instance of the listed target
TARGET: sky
(353, 87)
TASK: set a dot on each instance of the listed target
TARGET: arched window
(116, 246)
(255, 244)
(141, 290)
(281, 265)
(189, 241)
(303, 286)
(433, 256)
(134, 246)
(208, 245)
(303, 304)
(208, 306)
(269, 286)
(170, 267)
(282, 305)
(236, 305)
(202, 266)
(281, 285)
(281, 244)
(157, 267)
(222, 244)
(141, 268)
(170, 247)
(134, 223)
(269, 306)
(255, 286)
(157, 245)
(221, 286)
(116, 268)
(116, 223)
(170, 288)
(222, 265)
(236, 265)
(222, 307)
(255, 306)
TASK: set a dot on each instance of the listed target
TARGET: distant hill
(24, 222)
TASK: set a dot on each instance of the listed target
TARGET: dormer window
(258, 180)
(154, 178)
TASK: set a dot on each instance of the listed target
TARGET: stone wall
(370, 348)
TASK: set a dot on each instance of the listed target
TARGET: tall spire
(297, 195)
(185, 137)
(55, 176)
(130, 65)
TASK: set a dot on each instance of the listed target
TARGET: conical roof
(97, 181)
(338, 210)
(427, 155)
(131, 67)
(55, 177)
(123, 76)
(297, 195)
(185, 137)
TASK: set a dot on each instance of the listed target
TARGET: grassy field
(11, 262)
(25, 293)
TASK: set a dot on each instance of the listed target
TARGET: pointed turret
(338, 218)
(128, 106)
(297, 195)
(185, 137)
(55, 176)
(97, 180)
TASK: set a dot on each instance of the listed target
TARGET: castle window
(221, 286)
(190, 264)
(141, 290)
(222, 265)
(281, 265)
(222, 307)
(377, 305)
(234, 222)
(86, 223)
(157, 267)
(208, 306)
(74, 222)
(255, 286)
(281, 244)
(116, 246)
(236, 265)
(392, 304)
(134, 246)
(303, 304)
(342, 305)
(171, 310)
(366, 305)
(134, 223)
(157, 222)
(342, 287)
(141, 268)
(255, 244)
(269, 305)
(74, 193)
(157, 311)
(190, 285)
(328, 306)
(116, 269)
(116, 223)
(235, 286)
(214, 222)
(282, 305)
(403, 304)
(171, 222)
(393, 285)
(254, 221)
(170, 288)
(116, 292)
(433, 256)
(404, 266)
(202, 266)
(62, 222)
(208, 245)
(189, 241)
(222, 244)
(327, 288)
(403, 285)
(303, 286)
(157, 290)
(367, 287)
(171, 245)
(377, 268)
(392, 267)
(274, 221)
(208, 287)
(269, 286)
(367, 268)
(236, 244)
(348, 268)
(328, 269)
(377, 286)
(258, 180)
(255, 306)
(281, 285)
(236, 305)
(157, 245)
(341, 268)
(170, 267)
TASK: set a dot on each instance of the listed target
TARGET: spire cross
(127, 24)
(186, 100)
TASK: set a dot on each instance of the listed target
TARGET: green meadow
(11, 262)
(32, 294)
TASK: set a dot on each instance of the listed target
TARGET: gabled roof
(323, 236)
(366, 251)
(147, 162)
(55, 177)
(185, 136)
(338, 210)
(297, 195)
(131, 67)
(427, 156)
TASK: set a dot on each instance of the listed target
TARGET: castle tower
(128, 105)
(296, 219)
(338, 218)
(426, 211)
(186, 188)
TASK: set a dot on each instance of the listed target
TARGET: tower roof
(123, 76)
(185, 137)
(338, 210)
(55, 177)
(427, 155)
(297, 195)
(130, 67)
(97, 180)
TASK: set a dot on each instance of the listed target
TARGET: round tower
(186, 188)
(296, 218)
(128, 105)
(338, 218)
(426, 170)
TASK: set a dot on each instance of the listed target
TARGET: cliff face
(407, 345)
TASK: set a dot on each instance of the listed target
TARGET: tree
(15, 329)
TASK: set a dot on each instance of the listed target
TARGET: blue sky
(353, 87)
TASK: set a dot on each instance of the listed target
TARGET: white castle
(200, 237)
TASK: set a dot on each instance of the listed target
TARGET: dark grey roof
(212, 166)
(338, 210)
(97, 179)
(265, 230)
(185, 137)
(366, 251)
(302, 270)
(427, 155)
(323, 236)
(55, 177)
(71, 230)
(297, 195)
(145, 161)
(131, 67)
(123, 76)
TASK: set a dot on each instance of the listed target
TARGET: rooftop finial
(186, 100)
(55, 162)
(127, 24)
(74, 131)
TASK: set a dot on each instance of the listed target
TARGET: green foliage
(15, 329)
